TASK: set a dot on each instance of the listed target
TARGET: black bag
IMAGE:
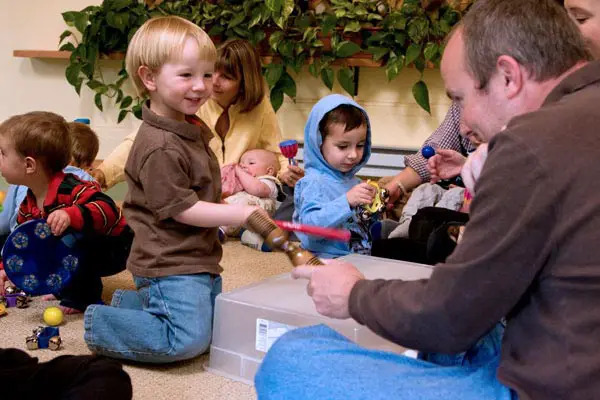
(429, 219)
(428, 242)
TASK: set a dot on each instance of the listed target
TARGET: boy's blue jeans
(316, 362)
(167, 319)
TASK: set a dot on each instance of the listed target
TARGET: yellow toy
(53, 316)
(2, 310)
(378, 204)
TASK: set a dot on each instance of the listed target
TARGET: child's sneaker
(254, 240)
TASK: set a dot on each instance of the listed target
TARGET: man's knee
(297, 348)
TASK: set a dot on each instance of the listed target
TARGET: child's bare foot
(69, 310)
(48, 297)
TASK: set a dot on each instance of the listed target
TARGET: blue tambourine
(38, 262)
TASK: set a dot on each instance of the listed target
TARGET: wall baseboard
(384, 161)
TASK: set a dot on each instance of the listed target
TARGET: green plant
(292, 35)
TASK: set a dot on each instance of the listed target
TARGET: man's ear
(148, 77)
(511, 74)
(30, 165)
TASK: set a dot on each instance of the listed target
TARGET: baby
(252, 182)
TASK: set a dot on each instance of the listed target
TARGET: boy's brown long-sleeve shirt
(530, 252)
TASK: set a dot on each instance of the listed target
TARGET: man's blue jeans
(167, 319)
(318, 363)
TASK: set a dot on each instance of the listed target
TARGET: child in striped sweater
(32, 153)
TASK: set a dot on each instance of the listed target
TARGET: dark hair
(536, 33)
(241, 60)
(84, 144)
(44, 136)
(347, 114)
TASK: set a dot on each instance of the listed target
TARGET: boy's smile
(344, 150)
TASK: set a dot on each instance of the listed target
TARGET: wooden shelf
(57, 54)
(360, 61)
(41, 54)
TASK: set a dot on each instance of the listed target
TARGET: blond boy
(172, 205)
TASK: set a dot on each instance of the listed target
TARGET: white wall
(39, 84)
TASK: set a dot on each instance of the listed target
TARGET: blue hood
(313, 158)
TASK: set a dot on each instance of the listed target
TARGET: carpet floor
(184, 380)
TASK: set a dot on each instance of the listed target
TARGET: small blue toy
(428, 152)
(44, 337)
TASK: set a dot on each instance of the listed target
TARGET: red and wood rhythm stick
(340, 235)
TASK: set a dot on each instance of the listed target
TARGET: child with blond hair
(172, 205)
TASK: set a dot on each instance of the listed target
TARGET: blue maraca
(428, 152)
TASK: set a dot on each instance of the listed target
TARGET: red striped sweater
(90, 210)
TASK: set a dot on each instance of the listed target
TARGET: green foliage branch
(284, 29)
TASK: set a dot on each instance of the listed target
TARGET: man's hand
(330, 286)
(363, 193)
(445, 164)
(292, 175)
(58, 221)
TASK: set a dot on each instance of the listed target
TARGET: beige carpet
(186, 380)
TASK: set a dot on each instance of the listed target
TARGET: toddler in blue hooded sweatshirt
(337, 143)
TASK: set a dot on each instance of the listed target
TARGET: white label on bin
(267, 332)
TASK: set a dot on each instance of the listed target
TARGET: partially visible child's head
(85, 145)
(172, 59)
(344, 132)
(33, 141)
(260, 162)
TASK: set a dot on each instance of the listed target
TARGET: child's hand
(58, 220)
(239, 171)
(249, 210)
(363, 193)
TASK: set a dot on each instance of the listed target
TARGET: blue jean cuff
(116, 298)
(87, 324)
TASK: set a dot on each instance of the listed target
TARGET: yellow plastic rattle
(378, 203)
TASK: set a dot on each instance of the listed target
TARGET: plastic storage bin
(249, 319)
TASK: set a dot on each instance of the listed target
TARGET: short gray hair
(536, 33)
